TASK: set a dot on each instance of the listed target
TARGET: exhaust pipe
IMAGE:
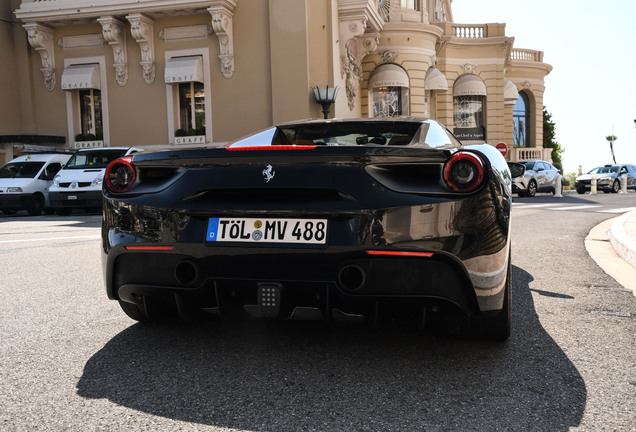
(352, 277)
(188, 273)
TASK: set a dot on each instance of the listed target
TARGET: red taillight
(272, 147)
(120, 175)
(149, 248)
(400, 253)
(464, 172)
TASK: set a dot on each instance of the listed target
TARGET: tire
(497, 327)
(36, 205)
(616, 186)
(532, 188)
(580, 191)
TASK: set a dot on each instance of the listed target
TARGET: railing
(529, 153)
(526, 55)
(470, 31)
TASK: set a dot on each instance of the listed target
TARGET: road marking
(525, 206)
(91, 237)
(619, 210)
(581, 207)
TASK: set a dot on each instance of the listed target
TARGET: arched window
(469, 94)
(389, 91)
(521, 119)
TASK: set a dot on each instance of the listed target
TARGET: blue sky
(591, 46)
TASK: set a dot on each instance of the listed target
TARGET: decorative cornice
(222, 12)
(114, 32)
(141, 28)
(41, 39)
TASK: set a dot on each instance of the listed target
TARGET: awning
(510, 93)
(81, 76)
(469, 85)
(184, 69)
(389, 75)
(435, 80)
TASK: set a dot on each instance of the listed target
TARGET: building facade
(157, 73)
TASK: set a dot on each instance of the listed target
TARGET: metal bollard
(623, 183)
(558, 188)
(593, 186)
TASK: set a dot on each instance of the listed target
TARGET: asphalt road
(71, 360)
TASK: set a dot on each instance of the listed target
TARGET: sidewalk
(612, 245)
(622, 236)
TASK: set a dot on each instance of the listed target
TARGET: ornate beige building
(82, 73)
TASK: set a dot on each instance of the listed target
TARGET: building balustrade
(530, 153)
(470, 31)
(527, 55)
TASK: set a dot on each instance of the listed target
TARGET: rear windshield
(381, 133)
(94, 158)
(21, 169)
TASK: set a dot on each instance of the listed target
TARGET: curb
(622, 242)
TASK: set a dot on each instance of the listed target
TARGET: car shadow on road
(294, 376)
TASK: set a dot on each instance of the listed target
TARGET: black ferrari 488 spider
(342, 220)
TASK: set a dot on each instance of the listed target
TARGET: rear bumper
(345, 282)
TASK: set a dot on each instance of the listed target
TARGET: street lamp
(325, 96)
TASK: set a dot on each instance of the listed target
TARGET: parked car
(344, 220)
(532, 176)
(25, 182)
(79, 184)
(608, 178)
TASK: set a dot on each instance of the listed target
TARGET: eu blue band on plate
(213, 227)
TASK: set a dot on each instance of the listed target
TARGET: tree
(549, 139)
(611, 139)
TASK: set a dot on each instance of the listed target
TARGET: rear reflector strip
(272, 147)
(150, 248)
(400, 253)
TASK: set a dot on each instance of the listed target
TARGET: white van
(79, 184)
(25, 182)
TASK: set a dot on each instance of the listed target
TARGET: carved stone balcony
(40, 17)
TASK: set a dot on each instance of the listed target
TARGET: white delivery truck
(26, 180)
(79, 184)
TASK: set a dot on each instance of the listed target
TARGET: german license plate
(72, 197)
(266, 230)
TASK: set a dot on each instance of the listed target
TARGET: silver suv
(532, 176)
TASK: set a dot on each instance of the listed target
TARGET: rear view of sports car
(337, 220)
